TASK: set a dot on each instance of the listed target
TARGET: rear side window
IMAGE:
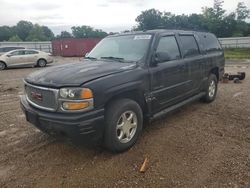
(210, 43)
(189, 45)
(29, 52)
(169, 45)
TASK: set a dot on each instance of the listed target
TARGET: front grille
(40, 97)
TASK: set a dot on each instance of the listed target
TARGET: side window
(21, 52)
(169, 46)
(211, 43)
(29, 52)
(189, 44)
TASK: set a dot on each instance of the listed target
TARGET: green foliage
(48, 33)
(6, 32)
(149, 19)
(213, 19)
(218, 10)
(15, 38)
(23, 29)
(237, 53)
(242, 11)
(64, 34)
(87, 32)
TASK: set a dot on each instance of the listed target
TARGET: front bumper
(87, 127)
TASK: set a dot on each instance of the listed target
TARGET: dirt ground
(200, 145)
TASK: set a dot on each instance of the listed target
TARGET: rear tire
(211, 89)
(41, 63)
(123, 125)
(2, 66)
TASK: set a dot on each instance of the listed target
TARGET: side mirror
(9, 55)
(161, 57)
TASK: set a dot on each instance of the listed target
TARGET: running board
(178, 105)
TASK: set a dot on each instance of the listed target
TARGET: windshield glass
(122, 48)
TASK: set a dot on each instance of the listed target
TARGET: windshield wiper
(120, 59)
(93, 58)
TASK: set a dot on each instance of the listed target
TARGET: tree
(218, 10)
(37, 34)
(6, 32)
(48, 33)
(64, 34)
(15, 38)
(87, 32)
(149, 19)
(23, 29)
(242, 12)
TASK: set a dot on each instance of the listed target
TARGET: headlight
(75, 99)
(76, 93)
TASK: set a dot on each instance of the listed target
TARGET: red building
(73, 47)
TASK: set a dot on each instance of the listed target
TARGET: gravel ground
(200, 145)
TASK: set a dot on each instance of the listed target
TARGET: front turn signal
(75, 105)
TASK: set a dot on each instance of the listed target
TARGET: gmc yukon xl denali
(124, 80)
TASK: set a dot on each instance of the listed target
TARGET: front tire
(211, 89)
(123, 121)
(41, 63)
(2, 66)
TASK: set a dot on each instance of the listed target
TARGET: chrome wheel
(42, 63)
(212, 89)
(126, 126)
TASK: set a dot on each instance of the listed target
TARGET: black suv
(124, 80)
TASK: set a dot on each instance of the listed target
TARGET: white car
(25, 57)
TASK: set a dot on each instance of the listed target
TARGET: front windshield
(126, 48)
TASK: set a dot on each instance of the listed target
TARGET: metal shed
(73, 47)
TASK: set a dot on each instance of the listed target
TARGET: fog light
(75, 105)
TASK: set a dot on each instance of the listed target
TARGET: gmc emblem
(37, 96)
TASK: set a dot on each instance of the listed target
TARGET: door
(16, 58)
(31, 57)
(169, 79)
(195, 60)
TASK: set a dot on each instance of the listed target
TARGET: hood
(76, 74)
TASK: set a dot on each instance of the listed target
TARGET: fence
(43, 46)
(235, 42)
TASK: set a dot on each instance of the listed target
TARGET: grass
(237, 53)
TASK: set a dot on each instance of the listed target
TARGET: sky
(108, 15)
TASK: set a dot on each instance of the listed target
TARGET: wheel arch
(135, 95)
(215, 71)
(4, 63)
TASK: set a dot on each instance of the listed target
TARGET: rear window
(210, 43)
(189, 45)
